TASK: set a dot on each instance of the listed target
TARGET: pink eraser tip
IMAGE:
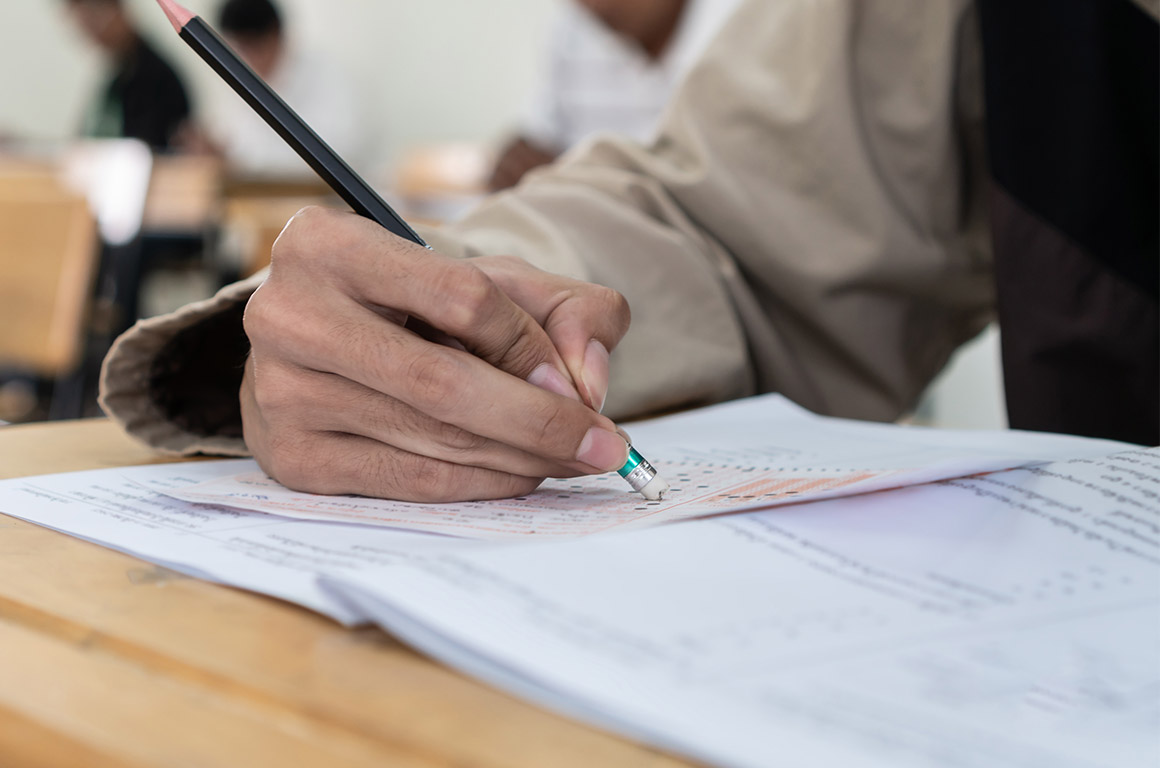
(178, 15)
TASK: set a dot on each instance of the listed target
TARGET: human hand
(516, 159)
(477, 396)
(192, 139)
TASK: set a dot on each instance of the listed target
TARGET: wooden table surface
(106, 660)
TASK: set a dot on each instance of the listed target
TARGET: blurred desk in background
(432, 185)
(111, 661)
(439, 183)
(184, 195)
(174, 229)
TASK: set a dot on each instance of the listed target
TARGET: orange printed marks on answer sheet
(749, 495)
(776, 488)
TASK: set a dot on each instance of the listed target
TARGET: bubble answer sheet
(748, 454)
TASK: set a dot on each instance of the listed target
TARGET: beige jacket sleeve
(809, 221)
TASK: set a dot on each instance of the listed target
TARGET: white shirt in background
(598, 82)
(321, 93)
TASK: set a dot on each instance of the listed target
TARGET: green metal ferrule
(634, 460)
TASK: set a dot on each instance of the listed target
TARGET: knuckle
(615, 307)
(416, 477)
(459, 441)
(509, 261)
(309, 213)
(522, 486)
(429, 478)
(290, 243)
(307, 231)
(377, 474)
(433, 380)
(314, 220)
(504, 265)
(522, 356)
(287, 461)
(260, 314)
(276, 393)
(472, 294)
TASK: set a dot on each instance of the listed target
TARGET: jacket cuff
(172, 381)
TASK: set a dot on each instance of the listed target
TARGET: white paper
(744, 455)
(1005, 620)
(123, 509)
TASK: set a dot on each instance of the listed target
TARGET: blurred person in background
(143, 98)
(312, 86)
(611, 67)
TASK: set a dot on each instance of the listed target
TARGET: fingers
(454, 297)
(334, 463)
(328, 462)
(293, 441)
(307, 400)
(448, 385)
(583, 321)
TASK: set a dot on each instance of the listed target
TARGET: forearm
(809, 221)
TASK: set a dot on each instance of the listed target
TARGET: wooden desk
(106, 660)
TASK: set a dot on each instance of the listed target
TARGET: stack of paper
(1011, 618)
(1007, 620)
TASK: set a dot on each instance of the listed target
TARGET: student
(812, 220)
(313, 86)
(143, 98)
(611, 67)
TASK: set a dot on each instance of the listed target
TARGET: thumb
(584, 321)
(584, 334)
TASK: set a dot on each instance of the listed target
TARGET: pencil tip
(178, 15)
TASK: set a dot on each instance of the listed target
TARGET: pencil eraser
(655, 489)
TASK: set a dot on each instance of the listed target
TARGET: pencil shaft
(294, 131)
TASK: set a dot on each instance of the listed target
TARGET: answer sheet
(748, 454)
(1005, 620)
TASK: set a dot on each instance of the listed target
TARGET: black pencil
(285, 121)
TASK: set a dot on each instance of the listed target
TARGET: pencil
(285, 121)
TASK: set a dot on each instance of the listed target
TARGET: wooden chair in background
(48, 258)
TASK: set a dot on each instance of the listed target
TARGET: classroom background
(446, 83)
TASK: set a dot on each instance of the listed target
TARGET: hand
(191, 139)
(477, 395)
(516, 159)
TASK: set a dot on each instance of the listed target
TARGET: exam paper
(124, 509)
(749, 454)
(1005, 620)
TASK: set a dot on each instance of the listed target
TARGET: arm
(809, 221)
(516, 159)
